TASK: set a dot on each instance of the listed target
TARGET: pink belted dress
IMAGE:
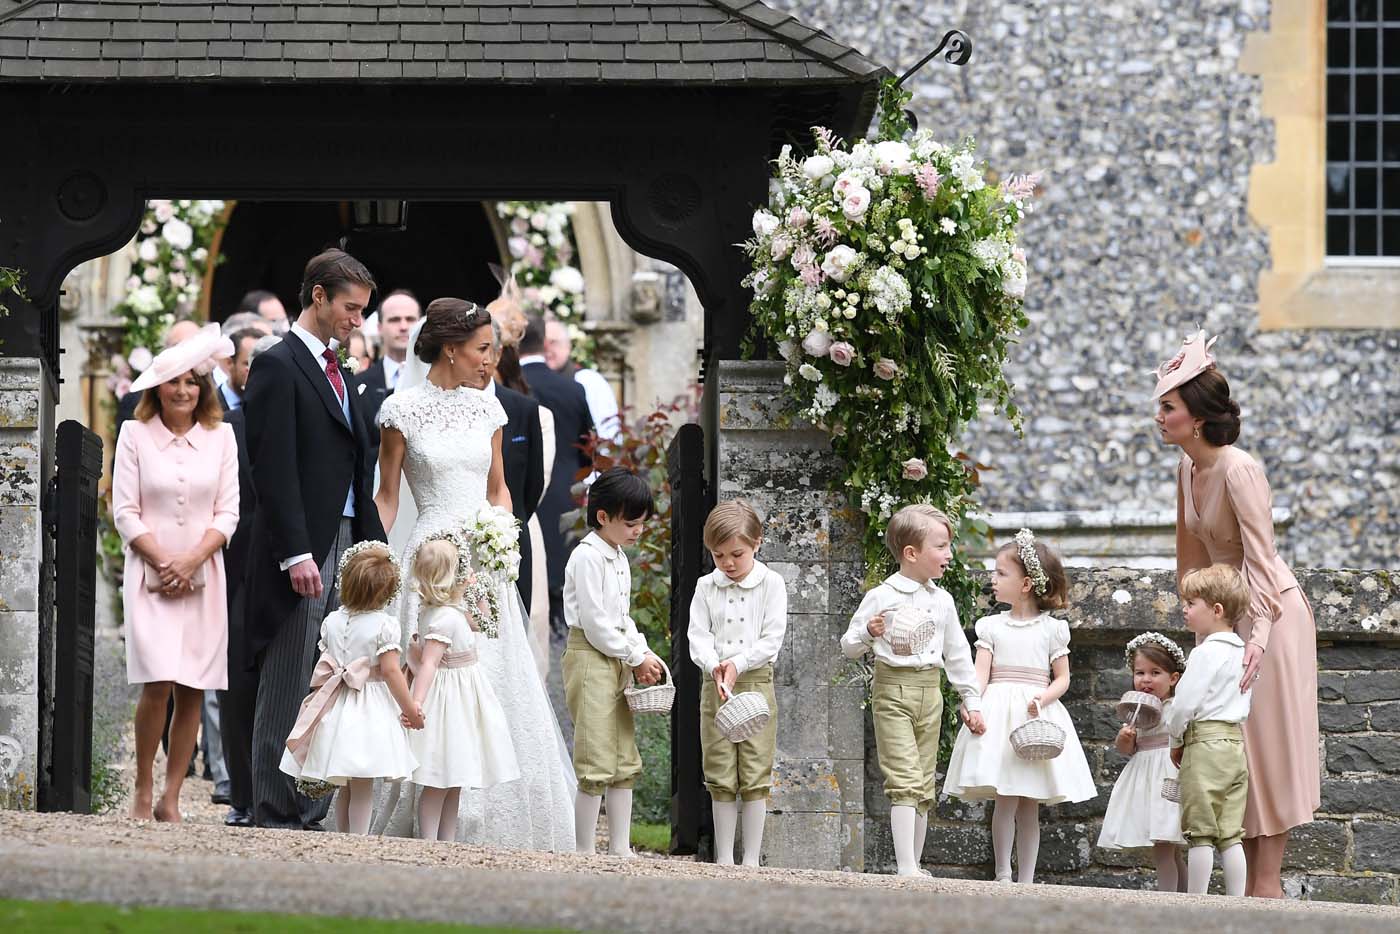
(349, 726)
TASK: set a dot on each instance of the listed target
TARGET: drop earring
(1196, 432)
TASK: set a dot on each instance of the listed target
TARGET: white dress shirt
(392, 368)
(1210, 687)
(597, 597)
(602, 403)
(318, 349)
(948, 650)
(740, 621)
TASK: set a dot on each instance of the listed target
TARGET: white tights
(354, 803)
(1200, 861)
(1016, 819)
(437, 813)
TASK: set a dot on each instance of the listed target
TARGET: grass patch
(18, 917)
(654, 837)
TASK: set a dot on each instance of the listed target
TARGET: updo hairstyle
(1207, 397)
(448, 321)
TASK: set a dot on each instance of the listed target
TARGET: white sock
(620, 821)
(902, 818)
(1027, 839)
(726, 819)
(754, 814)
(1200, 860)
(1164, 856)
(586, 822)
(1003, 834)
(920, 837)
(1232, 860)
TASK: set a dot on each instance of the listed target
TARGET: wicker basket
(654, 699)
(1171, 790)
(1038, 738)
(315, 789)
(742, 715)
(910, 629)
(1140, 710)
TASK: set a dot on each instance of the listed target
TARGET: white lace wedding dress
(446, 461)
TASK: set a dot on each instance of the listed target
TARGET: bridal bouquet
(495, 541)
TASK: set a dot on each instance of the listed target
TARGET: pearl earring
(452, 361)
(1196, 432)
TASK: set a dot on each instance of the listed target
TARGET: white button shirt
(1210, 687)
(948, 650)
(597, 597)
(740, 621)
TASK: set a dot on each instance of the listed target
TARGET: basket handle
(1036, 701)
(724, 690)
(1132, 721)
(632, 679)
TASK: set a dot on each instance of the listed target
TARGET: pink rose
(885, 368)
(841, 353)
(915, 469)
(817, 343)
(856, 203)
(798, 217)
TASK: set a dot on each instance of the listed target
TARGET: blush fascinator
(1193, 359)
(197, 354)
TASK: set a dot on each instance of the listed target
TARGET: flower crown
(479, 599)
(459, 541)
(1025, 547)
(1155, 638)
(360, 548)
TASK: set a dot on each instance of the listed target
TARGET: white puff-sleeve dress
(360, 735)
(1138, 815)
(465, 741)
(985, 766)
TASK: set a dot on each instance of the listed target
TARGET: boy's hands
(974, 720)
(649, 671)
(876, 626)
(1176, 755)
(726, 674)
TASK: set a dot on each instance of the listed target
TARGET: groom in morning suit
(312, 473)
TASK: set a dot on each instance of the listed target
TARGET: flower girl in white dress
(350, 730)
(1138, 815)
(465, 742)
(1023, 667)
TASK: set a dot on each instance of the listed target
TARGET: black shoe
(237, 817)
(314, 826)
(220, 798)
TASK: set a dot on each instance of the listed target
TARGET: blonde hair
(733, 519)
(435, 572)
(911, 525)
(1219, 583)
(369, 580)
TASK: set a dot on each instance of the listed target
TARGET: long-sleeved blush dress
(1227, 518)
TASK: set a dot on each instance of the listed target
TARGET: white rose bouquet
(495, 541)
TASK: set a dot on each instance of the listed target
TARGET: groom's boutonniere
(348, 362)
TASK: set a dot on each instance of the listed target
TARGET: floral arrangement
(359, 548)
(168, 260)
(479, 598)
(888, 274)
(541, 244)
(1155, 638)
(1025, 549)
(495, 541)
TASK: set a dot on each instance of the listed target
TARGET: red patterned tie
(333, 371)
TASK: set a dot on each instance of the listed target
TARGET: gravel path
(111, 859)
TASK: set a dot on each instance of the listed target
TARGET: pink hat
(196, 353)
(1190, 361)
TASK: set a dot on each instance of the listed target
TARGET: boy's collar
(749, 581)
(1225, 635)
(903, 584)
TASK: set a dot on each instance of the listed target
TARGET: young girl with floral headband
(466, 741)
(349, 731)
(1138, 815)
(1023, 669)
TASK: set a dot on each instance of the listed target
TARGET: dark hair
(619, 493)
(1207, 397)
(532, 341)
(238, 337)
(252, 300)
(333, 270)
(1056, 596)
(1159, 656)
(508, 371)
(208, 411)
(448, 321)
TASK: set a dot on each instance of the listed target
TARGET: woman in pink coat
(175, 504)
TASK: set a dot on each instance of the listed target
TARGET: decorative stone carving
(648, 296)
(82, 196)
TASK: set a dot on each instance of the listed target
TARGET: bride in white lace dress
(444, 434)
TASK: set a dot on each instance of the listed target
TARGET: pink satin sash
(327, 679)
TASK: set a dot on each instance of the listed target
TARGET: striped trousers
(284, 678)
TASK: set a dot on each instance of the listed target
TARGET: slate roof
(690, 42)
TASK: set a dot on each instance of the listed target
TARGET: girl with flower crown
(1023, 670)
(466, 741)
(1138, 815)
(349, 731)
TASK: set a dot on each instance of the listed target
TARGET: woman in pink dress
(175, 504)
(1224, 514)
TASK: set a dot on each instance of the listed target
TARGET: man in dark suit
(312, 473)
(572, 428)
(398, 313)
(522, 456)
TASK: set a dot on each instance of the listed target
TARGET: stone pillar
(26, 452)
(817, 813)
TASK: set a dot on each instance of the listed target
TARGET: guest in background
(398, 313)
(231, 393)
(602, 402)
(267, 306)
(175, 505)
(358, 347)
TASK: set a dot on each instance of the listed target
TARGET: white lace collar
(1022, 623)
(433, 389)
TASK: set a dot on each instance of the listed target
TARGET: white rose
(133, 283)
(809, 372)
(178, 234)
(199, 255)
(838, 262)
(177, 280)
(817, 343)
(845, 182)
(856, 203)
(764, 223)
(892, 156)
(538, 220)
(140, 358)
(151, 274)
(148, 250)
(163, 211)
(780, 247)
(517, 246)
(816, 167)
(568, 279)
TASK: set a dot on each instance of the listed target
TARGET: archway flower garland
(540, 240)
(888, 275)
